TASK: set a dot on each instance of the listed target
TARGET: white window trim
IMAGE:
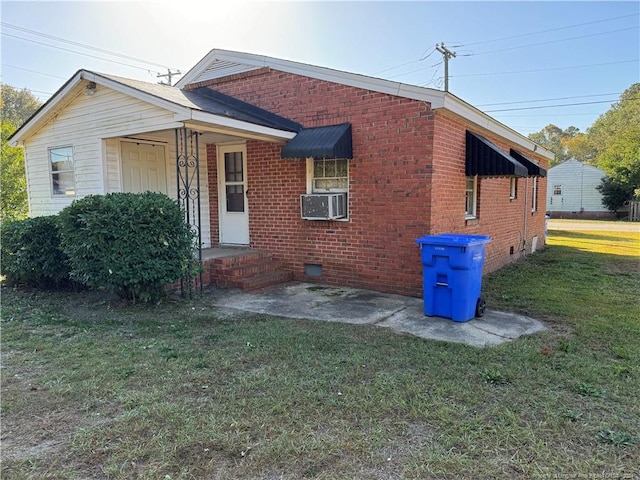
(72, 170)
(310, 191)
(557, 188)
(474, 214)
(310, 171)
(534, 195)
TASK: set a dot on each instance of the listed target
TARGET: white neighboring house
(572, 192)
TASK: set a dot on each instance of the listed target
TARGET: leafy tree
(551, 137)
(615, 136)
(16, 106)
(580, 148)
(13, 181)
(614, 193)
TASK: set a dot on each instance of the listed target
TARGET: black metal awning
(485, 159)
(533, 168)
(333, 141)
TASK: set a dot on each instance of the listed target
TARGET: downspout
(526, 203)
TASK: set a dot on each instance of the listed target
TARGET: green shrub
(31, 253)
(131, 244)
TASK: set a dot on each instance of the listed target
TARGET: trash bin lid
(454, 240)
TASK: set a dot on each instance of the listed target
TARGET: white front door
(232, 194)
(144, 168)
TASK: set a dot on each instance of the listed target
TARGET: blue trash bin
(452, 275)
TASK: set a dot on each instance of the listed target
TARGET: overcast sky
(509, 55)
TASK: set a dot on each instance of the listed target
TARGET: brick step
(263, 280)
(250, 269)
(247, 271)
(238, 260)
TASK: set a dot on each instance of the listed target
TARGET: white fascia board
(237, 125)
(460, 107)
(48, 108)
(434, 97)
(437, 98)
(56, 102)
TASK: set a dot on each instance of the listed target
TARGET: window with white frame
(557, 189)
(534, 196)
(327, 190)
(513, 188)
(471, 197)
(329, 175)
(62, 171)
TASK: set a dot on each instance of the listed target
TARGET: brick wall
(510, 223)
(406, 180)
(389, 191)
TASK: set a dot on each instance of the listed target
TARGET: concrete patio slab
(398, 313)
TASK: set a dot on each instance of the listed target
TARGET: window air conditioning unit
(323, 206)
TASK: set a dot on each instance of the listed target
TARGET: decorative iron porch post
(188, 180)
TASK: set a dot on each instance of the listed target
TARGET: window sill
(326, 219)
(471, 221)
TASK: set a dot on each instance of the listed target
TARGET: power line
(79, 53)
(32, 71)
(547, 115)
(39, 91)
(78, 44)
(438, 63)
(425, 55)
(558, 40)
(546, 69)
(397, 66)
(518, 71)
(505, 38)
(547, 99)
(551, 29)
(548, 106)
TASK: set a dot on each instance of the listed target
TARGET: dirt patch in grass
(623, 266)
(35, 423)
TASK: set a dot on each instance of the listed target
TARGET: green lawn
(92, 388)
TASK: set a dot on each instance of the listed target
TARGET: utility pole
(446, 54)
(168, 75)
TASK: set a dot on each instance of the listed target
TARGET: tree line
(612, 144)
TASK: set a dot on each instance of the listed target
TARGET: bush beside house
(130, 244)
(31, 253)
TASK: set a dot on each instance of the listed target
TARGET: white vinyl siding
(95, 125)
(572, 187)
(83, 124)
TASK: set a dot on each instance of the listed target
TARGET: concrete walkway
(400, 314)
